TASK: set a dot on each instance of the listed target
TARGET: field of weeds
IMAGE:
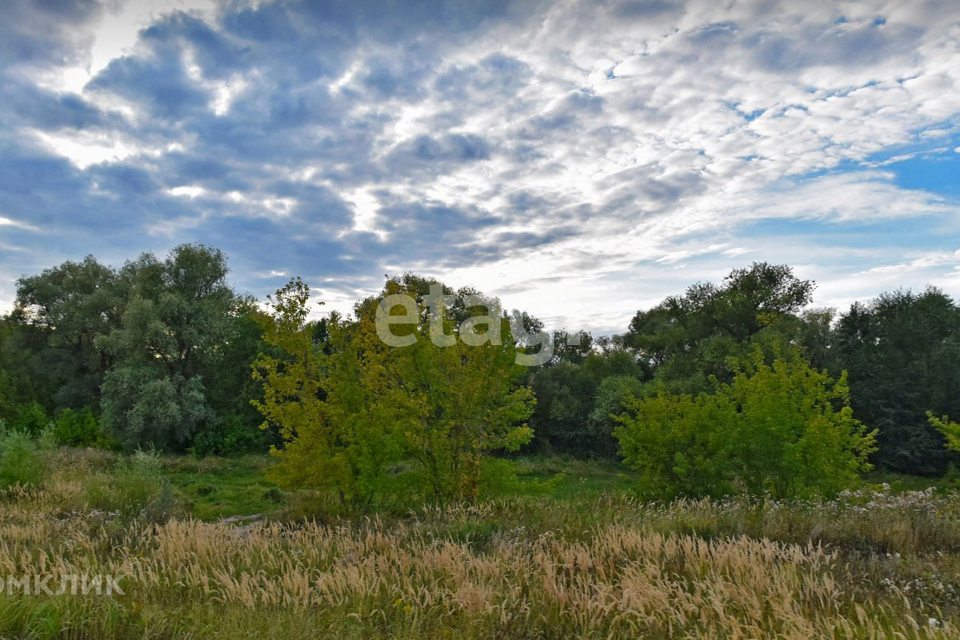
(872, 564)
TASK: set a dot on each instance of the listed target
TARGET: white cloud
(7, 222)
(616, 143)
(84, 150)
(187, 191)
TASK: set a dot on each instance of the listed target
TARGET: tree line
(726, 386)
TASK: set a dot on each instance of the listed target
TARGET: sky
(579, 159)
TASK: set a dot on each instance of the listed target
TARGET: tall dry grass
(866, 566)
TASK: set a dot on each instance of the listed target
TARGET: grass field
(574, 556)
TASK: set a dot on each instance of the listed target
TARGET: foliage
(566, 417)
(613, 397)
(69, 308)
(350, 406)
(902, 352)
(22, 458)
(949, 429)
(564, 400)
(30, 419)
(689, 338)
(79, 429)
(21, 382)
(319, 449)
(229, 435)
(179, 315)
(453, 405)
(774, 430)
(159, 349)
(143, 405)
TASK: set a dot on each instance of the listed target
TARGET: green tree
(173, 329)
(613, 398)
(784, 428)
(161, 348)
(949, 429)
(902, 351)
(230, 388)
(567, 399)
(62, 312)
(688, 338)
(350, 405)
(320, 398)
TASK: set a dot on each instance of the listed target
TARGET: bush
(229, 436)
(31, 419)
(21, 460)
(774, 430)
(79, 429)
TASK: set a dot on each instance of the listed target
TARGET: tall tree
(566, 418)
(902, 352)
(67, 308)
(688, 338)
(173, 329)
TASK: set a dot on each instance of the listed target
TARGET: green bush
(31, 419)
(231, 435)
(79, 429)
(775, 430)
(21, 460)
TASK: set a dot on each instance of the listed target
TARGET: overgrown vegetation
(159, 352)
(443, 490)
(22, 462)
(155, 352)
(774, 430)
(568, 563)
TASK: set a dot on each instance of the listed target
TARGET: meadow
(575, 555)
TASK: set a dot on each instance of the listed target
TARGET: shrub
(21, 460)
(231, 435)
(31, 419)
(79, 429)
(774, 430)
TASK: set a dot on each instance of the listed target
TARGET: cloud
(579, 159)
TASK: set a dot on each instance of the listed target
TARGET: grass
(577, 478)
(214, 488)
(899, 482)
(585, 560)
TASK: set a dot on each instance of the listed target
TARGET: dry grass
(867, 566)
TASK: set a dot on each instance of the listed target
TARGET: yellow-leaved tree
(373, 421)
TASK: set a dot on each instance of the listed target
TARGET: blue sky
(581, 160)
